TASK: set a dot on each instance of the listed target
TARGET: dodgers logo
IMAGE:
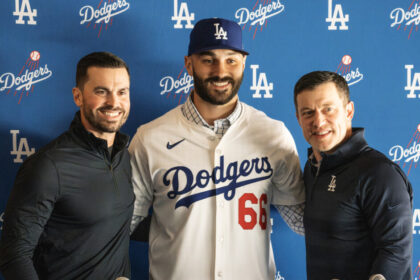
(416, 223)
(220, 32)
(261, 84)
(408, 18)
(417, 272)
(338, 16)
(30, 74)
(24, 9)
(278, 276)
(344, 69)
(409, 154)
(413, 82)
(20, 150)
(102, 15)
(180, 87)
(258, 15)
(234, 175)
(182, 14)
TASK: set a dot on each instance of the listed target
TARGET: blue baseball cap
(215, 33)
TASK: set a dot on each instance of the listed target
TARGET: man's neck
(210, 112)
(109, 137)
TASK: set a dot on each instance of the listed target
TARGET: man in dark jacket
(358, 215)
(69, 212)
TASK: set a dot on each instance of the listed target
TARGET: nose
(318, 120)
(219, 69)
(112, 99)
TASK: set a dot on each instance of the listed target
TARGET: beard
(103, 125)
(218, 97)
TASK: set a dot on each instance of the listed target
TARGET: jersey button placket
(219, 237)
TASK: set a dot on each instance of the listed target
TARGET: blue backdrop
(374, 44)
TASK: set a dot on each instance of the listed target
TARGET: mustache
(218, 79)
(111, 108)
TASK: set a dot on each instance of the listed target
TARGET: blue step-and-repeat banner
(375, 45)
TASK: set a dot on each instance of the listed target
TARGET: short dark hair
(311, 80)
(98, 59)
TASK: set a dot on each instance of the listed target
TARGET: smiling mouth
(321, 133)
(111, 114)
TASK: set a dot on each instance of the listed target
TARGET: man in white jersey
(210, 168)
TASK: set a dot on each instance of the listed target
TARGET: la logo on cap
(220, 33)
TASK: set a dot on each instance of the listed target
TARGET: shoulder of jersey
(260, 119)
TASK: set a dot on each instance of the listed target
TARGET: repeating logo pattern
(181, 14)
(413, 82)
(416, 222)
(417, 272)
(21, 149)
(409, 18)
(103, 14)
(336, 16)
(258, 15)
(344, 69)
(279, 277)
(260, 84)
(23, 10)
(179, 87)
(407, 157)
(30, 74)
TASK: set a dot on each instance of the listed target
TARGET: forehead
(219, 53)
(322, 94)
(107, 74)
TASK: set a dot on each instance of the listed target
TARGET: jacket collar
(95, 143)
(344, 153)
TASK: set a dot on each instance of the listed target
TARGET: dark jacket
(358, 215)
(69, 211)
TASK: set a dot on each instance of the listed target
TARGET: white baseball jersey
(211, 197)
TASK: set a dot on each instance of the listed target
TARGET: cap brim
(218, 47)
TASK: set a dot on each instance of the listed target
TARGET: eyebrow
(100, 87)
(107, 89)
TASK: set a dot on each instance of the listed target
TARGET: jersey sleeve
(142, 181)
(387, 206)
(28, 209)
(287, 179)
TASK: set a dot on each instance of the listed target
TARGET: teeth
(321, 133)
(220, 84)
(111, 114)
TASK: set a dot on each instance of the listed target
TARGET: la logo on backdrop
(336, 16)
(409, 18)
(23, 83)
(258, 15)
(102, 14)
(22, 10)
(413, 82)
(344, 69)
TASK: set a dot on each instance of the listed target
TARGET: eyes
(208, 60)
(327, 110)
(105, 92)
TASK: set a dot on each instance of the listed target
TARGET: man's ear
(77, 97)
(350, 110)
(188, 65)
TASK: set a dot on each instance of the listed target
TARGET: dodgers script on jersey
(211, 196)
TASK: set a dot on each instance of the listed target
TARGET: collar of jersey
(220, 126)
